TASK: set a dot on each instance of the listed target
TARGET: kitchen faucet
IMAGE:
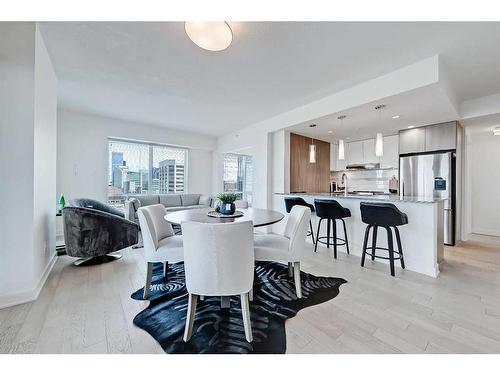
(344, 176)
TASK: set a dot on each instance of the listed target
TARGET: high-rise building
(116, 171)
(170, 176)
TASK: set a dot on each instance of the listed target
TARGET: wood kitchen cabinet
(304, 175)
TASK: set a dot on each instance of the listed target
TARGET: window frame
(151, 146)
(244, 193)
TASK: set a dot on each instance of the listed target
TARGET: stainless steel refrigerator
(428, 176)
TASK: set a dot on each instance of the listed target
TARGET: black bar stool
(331, 210)
(293, 201)
(384, 215)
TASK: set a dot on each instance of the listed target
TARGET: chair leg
(334, 234)
(296, 273)
(345, 236)
(400, 248)
(391, 249)
(250, 295)
(374, 241)
(245, 311)
(191, 311)
(328, 233)
(225, 302)
(312, 230)
(165, 270)
(365, 242)
(317, 235)
(290, 269)
(149, 277)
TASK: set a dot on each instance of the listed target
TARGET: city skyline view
(136, 168)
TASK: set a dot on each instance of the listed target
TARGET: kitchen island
(422, 237)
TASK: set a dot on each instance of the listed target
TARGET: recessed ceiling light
(496, 131)
(212, 36)
(330, 131)
(411, 126)
(396, 117)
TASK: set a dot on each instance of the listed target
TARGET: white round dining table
(260, 217)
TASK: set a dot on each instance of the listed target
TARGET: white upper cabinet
(354, 153)
(335, 163)
(341, 164)
(390, 159)
(369, 151)
(363, 152)
(333, 156)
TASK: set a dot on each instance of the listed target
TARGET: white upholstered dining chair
(160, 242)
(218, 261)
(287, 247)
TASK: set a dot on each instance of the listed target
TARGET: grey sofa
(172, 202)
(93, 229)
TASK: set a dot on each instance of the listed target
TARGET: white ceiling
(428, 105)
(151, 72)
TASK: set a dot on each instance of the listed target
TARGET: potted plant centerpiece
(227, 206)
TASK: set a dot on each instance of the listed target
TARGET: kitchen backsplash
(371, 180)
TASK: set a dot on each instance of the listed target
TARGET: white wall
(17, 44)
(28, 108)
(45, 145)
(482, 178)
(82, 152)
(281, 162)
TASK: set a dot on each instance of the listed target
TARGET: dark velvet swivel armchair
(93, 229)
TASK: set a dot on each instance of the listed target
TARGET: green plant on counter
(226, 198)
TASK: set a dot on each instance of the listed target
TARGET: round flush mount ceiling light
(212, 36)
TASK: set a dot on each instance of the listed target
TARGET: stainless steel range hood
(362, 166)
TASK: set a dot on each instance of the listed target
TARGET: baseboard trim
(29, 295)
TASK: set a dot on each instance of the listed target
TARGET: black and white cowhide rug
(220, 330)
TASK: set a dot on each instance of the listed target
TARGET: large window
(238, 175)
(141, 168)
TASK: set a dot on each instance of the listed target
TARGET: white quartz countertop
(382, 197)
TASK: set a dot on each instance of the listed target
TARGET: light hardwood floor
(89, 310)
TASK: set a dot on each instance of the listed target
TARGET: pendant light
(341, 141)
(312, 152)
(379, 146)
(312, 148)
(341, 149)
(379, 141)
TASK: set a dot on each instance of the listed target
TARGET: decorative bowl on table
(227, 208)
(225, 216)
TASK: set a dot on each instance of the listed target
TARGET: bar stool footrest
(381, 257)
(341, 243)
